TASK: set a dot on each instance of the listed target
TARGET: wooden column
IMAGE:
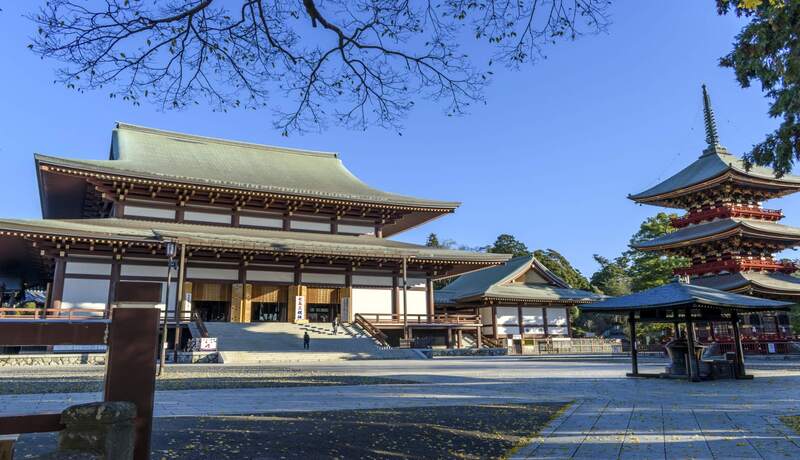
(569, 322)
(180, 295)
(334, 226)
(287, 222)
(634, 352)
(429, 298)
(544, 322)
(692, 358)
(520, 323)
(395, 297)
(459, 338)
(479, 337)
(58, 281)
(739, 368)
(294, 292)
(449, 338)
(494, 321)
(112, 286)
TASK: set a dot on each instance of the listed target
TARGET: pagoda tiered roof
(714, 167)
(502, 283)
(776, 284)
(723, 228)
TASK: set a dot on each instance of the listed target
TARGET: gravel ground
(78, 379)
(471, 432)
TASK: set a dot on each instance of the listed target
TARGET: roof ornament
(712, 137)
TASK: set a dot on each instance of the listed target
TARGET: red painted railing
(415, 319)
(722, 212)
(736, 265)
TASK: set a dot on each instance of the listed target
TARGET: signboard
(345, 309)
(517, 337)
(299, 308)
(771, 347)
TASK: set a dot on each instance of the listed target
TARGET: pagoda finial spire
(712, 138)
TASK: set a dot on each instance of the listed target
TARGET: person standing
(306, 341)
(335, 325)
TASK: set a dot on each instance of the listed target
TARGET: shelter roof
(680, 295)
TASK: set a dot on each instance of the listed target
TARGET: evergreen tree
(612, 278)
(649, 269)
(561, 267)
(433, 241)
(508, 244)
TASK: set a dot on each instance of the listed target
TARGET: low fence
(566, 346)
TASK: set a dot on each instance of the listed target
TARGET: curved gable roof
(170, 156)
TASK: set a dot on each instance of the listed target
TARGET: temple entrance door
(322, 304)
(269, 303)
(212, 301)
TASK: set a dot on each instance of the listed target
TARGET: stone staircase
(254, 343)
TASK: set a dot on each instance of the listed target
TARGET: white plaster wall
(212, 273)
(416, 302)
(173, 295)
(143, 211)
(556, 317)
(355, 229)
(372, 280)
(267, 222)
(414, 282)
(85, 293)
(532, 315)
(88, 268)
(507, 315)
(372, 300)
(198, 216)
(278, 277)
(155, 271)
(308, 225)
(323, 278)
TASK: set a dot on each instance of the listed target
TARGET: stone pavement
(611, 416)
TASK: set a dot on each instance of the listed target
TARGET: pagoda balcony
(722, 212)
(737, 266)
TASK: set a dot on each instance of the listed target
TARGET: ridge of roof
(217, 140)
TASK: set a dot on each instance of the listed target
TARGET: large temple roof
(498, 283)
(722, 228)
(774, 283)
(207, 236)
(163, 155)
(678, 295)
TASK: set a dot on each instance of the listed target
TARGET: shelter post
(692, 358)
(634, 353)
(737, 345)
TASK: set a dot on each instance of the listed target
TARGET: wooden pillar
(479, 336)
(544, 322)
(520, 323)
(287, 222)
(378, 231)
(58, 281)
(112, 286)
(634, 352)
(738, 350)
(297, 294)
(180, 295)
(334, 226)
(494, 321)
(459, 338)
(692, 358)
(569, 321)
(429, 298)
(449, 338)
(395, 297)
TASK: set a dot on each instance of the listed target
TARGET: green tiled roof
(772, 282)
(494, 282)
(241, 238)
(712, 164)
(170, 156)
(746, 226)
(680, 295)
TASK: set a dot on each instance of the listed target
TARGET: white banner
(300, 308)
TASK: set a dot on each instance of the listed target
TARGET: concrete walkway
(610, 416)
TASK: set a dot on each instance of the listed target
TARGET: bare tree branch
(352, 63)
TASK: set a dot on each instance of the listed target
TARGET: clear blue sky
(550, 158)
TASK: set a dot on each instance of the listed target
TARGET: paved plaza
(610, 416)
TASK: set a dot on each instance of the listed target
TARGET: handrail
(45, 313)
(201, 326)
(491, 342)
(420, 318)
(373, 331)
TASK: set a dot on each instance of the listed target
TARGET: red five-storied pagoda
(727, 234)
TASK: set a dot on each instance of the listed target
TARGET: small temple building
(518, 300)
(726, 234)
(261, 234)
